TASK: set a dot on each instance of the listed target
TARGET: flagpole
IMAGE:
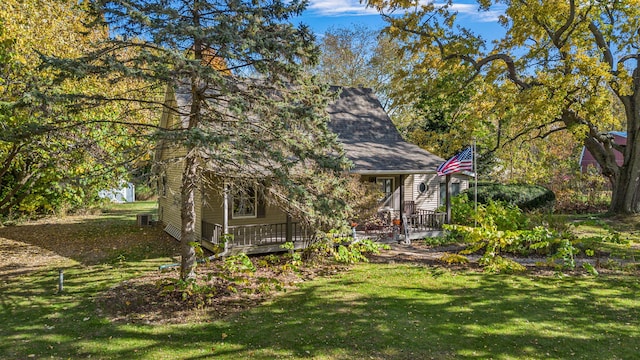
(462, 161)
(475, 191)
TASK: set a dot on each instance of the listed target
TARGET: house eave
(392, 172)
(407, 172)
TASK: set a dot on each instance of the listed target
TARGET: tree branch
(602, 45)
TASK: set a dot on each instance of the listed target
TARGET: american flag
(460, 162)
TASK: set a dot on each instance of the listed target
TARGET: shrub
(450, 259)
(502, 215)
(526, 197)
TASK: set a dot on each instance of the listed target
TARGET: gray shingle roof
(370, 139)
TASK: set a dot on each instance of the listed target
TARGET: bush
(501, 215)
(526, 197)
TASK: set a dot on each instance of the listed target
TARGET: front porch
(390, 225)
(266, 238)
(257, 238)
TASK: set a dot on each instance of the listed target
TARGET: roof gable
(371, 141)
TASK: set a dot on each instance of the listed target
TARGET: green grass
(374, 311)
(593, 229)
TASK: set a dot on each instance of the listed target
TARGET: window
(455, 190)
(386, 186)
(163, 184)
(243, 203)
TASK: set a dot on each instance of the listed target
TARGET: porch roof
(371, 141)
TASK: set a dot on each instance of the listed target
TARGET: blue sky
(323, 14)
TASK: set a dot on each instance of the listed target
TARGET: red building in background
(586, 159)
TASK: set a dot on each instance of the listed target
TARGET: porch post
(225, 210)
(225, 217)
(289, 229)
(401, 196)
(448, 198)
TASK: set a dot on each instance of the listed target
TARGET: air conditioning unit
(144, 219)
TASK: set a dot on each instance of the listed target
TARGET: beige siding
(169, 158)
(169, 199)
(428, 200)
(212, 211)
(464, 182)
(409, 188)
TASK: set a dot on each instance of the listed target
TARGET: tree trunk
(625, 197)
(625, 178)
(188, 214)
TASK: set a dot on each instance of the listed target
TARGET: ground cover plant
(501, 233)
(395, 307)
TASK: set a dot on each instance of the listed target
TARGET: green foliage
(144, 192)
(590, 269)
(562, 75)
(294, 258)
(344, 249)
(566, 254)
(55, 158)
(450, 259)
(356, 251)
(526, 197)
(503, 228)
(240, 263)
(498, 264)
(503, 216)
(439, 240)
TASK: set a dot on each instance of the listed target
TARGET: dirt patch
(158, 298)
(19, 258)
(88, 240)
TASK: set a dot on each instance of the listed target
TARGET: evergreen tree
(254, 113)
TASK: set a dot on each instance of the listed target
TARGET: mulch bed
(158, 298)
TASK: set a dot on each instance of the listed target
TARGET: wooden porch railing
(259, 234)
(425, 220)
(211, 232)
(416, 220)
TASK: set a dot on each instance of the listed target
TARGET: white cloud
(470, 11)
(340, 8)
(355, 8)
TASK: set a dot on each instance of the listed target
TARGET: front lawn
(372, 311)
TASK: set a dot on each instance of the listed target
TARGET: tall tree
(359, 56)
(253, 113)
(49, 159)
(563, 65)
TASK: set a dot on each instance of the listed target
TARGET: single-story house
(405, 173)
(587, 159)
